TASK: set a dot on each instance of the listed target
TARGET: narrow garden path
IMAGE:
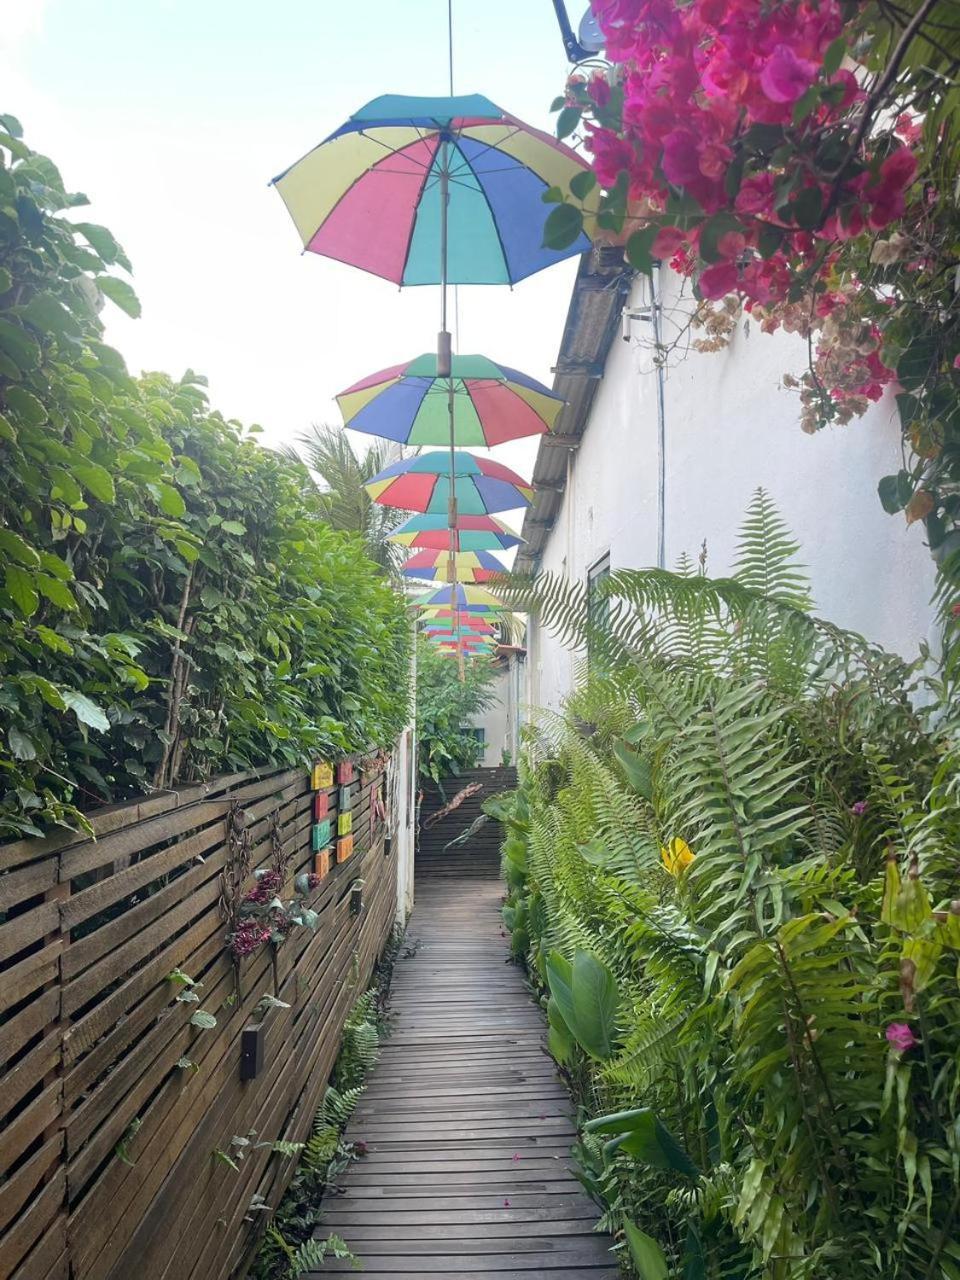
(467, 1127)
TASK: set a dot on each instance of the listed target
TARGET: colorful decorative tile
(320, 835)
(321, 863)
(322, 776)
(321, 806)
(344, 824)
(345, 771)
(344, 848)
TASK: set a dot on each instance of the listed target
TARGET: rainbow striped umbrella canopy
(423, 484)
(369, 195)
(465, 618)
(476, 599)
(460, 622)
(469, 566)
(473, 533)
(451, 632)
(468, 641)
(410, 403)
(451, 650)
(464, 647)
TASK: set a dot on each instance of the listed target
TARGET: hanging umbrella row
(440, 191)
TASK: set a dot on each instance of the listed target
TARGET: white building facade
(648, 463)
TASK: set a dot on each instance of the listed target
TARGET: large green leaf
(120, 292)
(20, 586)
(596, 1002)
(95, 479)
(85, 709)
(647, 1255)
(641, 1134)
(587, 999)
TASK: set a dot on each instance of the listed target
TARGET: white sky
(172, 115)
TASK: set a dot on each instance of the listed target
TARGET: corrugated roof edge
(599, 293)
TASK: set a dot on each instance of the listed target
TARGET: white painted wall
(731, 426)
(402, 803)
(500, 721)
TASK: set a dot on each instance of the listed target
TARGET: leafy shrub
(445, 707)
(172, 604)
(732, 865)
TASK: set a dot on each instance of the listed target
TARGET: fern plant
(289, 1248)
(743, 818)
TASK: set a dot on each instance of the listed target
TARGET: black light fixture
(589, 39)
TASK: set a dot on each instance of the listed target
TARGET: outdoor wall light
(589, 39)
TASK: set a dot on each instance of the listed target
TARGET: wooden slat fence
(107, 1165)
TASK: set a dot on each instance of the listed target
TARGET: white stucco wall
(731, 426)
(501, 719)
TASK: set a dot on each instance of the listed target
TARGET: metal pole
(656, 305)
(445, 369)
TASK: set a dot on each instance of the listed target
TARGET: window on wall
(598, 606)
(479, 734)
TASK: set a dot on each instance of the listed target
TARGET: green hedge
(172, 605)
(446, 706)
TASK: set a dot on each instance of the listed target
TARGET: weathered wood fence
(107, 1145)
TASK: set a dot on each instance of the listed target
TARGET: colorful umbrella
(423, 484)
(462, 622)
(410, 403)
(477, 599)
(473, 533)
(451, 633)
(468, 566)
(441, 642)
(473, 613)
(372, 194)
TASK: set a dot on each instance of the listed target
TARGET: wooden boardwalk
(467, 1127)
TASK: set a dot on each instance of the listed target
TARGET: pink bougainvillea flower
(899, 169)
(900, 1037)
(756, 194)
(599, 89)
(667, 242)
(956, 362)
(714, 159)
(908, 129)
(851, 88)
(681, 162)
(786, 77)
(506, 1204)
(718, 281)
(859, 808)
(517, 1156)
(731, 244)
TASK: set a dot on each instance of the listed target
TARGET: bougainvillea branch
(800, 157)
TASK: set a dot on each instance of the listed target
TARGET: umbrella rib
(399, 151)
(413, 221)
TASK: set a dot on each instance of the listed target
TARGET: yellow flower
(676, 856)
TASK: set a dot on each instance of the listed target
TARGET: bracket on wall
(579, 368)
(549, 486)
(560, 442)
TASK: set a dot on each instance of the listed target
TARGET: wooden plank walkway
(467, 1127)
